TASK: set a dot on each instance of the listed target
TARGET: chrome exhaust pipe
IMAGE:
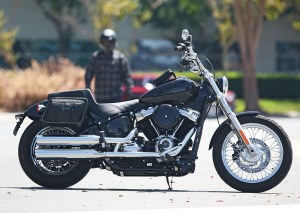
(177, 149)
(92, 154)
(81, 140)
(67, 141)
(89, 154)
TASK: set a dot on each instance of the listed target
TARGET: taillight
(40, 108)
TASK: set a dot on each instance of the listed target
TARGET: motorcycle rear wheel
(55, 174)
(244, 172)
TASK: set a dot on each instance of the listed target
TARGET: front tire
(49, 173)
(244, 172)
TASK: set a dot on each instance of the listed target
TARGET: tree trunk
(63, 40)
(250, 86)
(249, 17)
(225, 62)
(64, 32)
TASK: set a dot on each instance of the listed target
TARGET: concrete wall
(274, 31)
(32, 24)
(27, 17)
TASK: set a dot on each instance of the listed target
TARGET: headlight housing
(222, 84)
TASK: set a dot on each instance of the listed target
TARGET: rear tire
(50, 174)
(230, 158)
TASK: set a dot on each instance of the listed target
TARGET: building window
(41, 49)
(288, 56)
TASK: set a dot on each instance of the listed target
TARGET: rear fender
(227, 123)
(32, 112)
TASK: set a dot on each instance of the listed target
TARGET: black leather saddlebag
(64, 111)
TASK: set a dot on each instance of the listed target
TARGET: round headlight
(223, 84)
(185, 34)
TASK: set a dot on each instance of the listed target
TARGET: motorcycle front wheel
(248, 173)
(59, 173)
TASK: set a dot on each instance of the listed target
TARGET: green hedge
(271, 85)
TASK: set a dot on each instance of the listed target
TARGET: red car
(143, 83)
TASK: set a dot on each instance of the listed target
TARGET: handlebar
(181, 47)
(178, 48)
(190, 57)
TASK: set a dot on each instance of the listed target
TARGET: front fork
(192, 56)
(230, 114)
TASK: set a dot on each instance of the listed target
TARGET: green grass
(272, 105)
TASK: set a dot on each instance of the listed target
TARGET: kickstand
(169, 183)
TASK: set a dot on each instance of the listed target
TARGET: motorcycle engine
(164, 143)
(165, 126)
(166, 116)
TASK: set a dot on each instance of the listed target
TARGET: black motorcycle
(156, 135)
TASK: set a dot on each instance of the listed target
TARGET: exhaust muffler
(88, 154)
(89, 140)
(77, 153)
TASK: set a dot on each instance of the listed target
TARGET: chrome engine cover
(131, 147)
(166, 130)
(164, 143)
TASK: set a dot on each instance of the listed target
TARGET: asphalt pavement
(101, 190)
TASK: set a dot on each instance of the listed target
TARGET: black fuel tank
(179, 90)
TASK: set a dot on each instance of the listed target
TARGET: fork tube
(226, 109)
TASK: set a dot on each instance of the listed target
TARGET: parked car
(155, 54)
(143, 83)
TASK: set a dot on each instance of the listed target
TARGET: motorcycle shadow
(135, 190)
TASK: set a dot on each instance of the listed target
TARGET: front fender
(227, 122)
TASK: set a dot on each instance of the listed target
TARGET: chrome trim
(144, 113)
(89, 154)
(116, 149)
(127, 139)
(174, 133)
(82, 140)
(164, 138)
(154, 127)
(177, 149)
(68, 140)
(131, 147)
(225, 84)
(190, 114)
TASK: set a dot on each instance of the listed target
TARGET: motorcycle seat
(108, 109)
(103, 110)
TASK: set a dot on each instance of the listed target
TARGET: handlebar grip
(178, 48)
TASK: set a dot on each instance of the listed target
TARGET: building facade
(278, 51)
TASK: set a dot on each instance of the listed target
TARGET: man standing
(111, 69)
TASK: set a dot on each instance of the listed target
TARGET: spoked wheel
(60, 173)
(258, 173)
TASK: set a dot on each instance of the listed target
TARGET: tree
(103, 13)
(294, 13)
(66, 16)
(7, 40)
(173, 15)
(223, 16)
(249, 17)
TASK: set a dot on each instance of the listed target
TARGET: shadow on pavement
(131, 190)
